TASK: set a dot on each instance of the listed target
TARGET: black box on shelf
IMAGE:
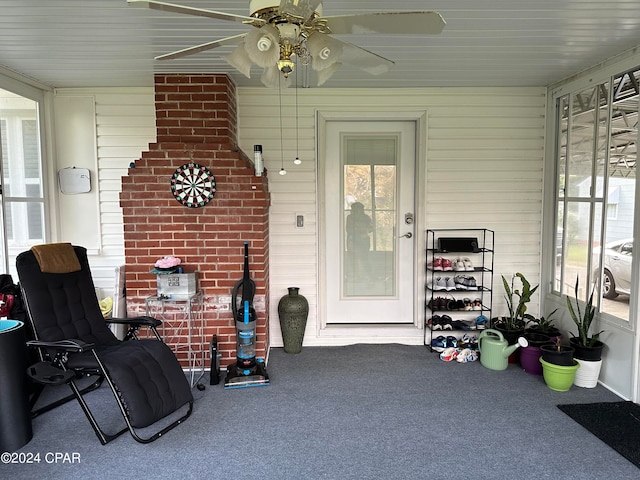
(458, 244)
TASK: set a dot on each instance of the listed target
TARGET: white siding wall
(124, 126)
(484, 162)
(484, 169)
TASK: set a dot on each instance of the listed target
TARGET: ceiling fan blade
(201, 48)
(364, 59)
(199, 12)
(299, 8)
(417, 23)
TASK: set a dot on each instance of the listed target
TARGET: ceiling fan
(296, 28)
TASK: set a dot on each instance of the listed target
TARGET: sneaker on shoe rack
(473, 343)
(467, 355)
(435, 304)
(452, 341)
(446, 265)
(431, 304)
(468, 282)
(440, 284)
(449, 284)
(436, 322)
(481, 322)
(477, 304)
(436, 264)
(445, 321)
(467, 304)
(444, 303)
(459, 281)
(463, 342)
(457, 305)
(460, 325)
(449, 354)
(468, 266)
(439, 344)
(458, 265)
(471, 283)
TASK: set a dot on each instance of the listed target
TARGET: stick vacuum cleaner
(247, 371)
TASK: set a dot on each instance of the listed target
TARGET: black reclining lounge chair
(75, 341)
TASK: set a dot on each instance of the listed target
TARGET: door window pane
(369, 216)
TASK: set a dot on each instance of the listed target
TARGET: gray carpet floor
(356, 412)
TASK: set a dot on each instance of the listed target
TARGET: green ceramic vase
(293, 310)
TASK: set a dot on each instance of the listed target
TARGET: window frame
(601, 202)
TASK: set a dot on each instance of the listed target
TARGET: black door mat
(615, 423)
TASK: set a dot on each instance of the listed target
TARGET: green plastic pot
(559, 377)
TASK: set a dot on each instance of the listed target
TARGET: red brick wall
(196, 122)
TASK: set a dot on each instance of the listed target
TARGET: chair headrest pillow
(56, 258)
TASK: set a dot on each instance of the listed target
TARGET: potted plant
(587, 345)
(558, 365)
(513, 325)
(537, 335)
(543, 326)
(557, 353)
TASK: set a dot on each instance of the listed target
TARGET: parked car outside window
(616, 277)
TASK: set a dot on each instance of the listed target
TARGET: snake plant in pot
(587, 345)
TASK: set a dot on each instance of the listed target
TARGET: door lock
(408, 218)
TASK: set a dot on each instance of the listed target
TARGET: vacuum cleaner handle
(247, 285)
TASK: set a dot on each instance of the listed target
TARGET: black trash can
(15, 427)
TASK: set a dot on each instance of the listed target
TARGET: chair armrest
(47, 374)
(143, 321)
(70, 345)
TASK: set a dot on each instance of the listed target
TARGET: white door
(369, 205)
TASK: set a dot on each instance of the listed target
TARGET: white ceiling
(89, 43)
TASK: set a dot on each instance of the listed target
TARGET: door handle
(406, 235)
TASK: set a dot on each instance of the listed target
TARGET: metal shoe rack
(476, 245)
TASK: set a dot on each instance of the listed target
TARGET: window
(597, 131)
(370, 203)
(22, 195)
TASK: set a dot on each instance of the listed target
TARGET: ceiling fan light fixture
(290, 32)
(300, 9)
(272, 78)
(326, 73)
(286, 29)
(324, 50)
(263, 45)
(239, 60)
(286, 66)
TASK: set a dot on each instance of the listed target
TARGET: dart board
(193, 185)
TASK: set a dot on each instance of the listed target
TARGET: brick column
(196, 122)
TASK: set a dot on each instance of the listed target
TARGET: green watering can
(495, 350)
